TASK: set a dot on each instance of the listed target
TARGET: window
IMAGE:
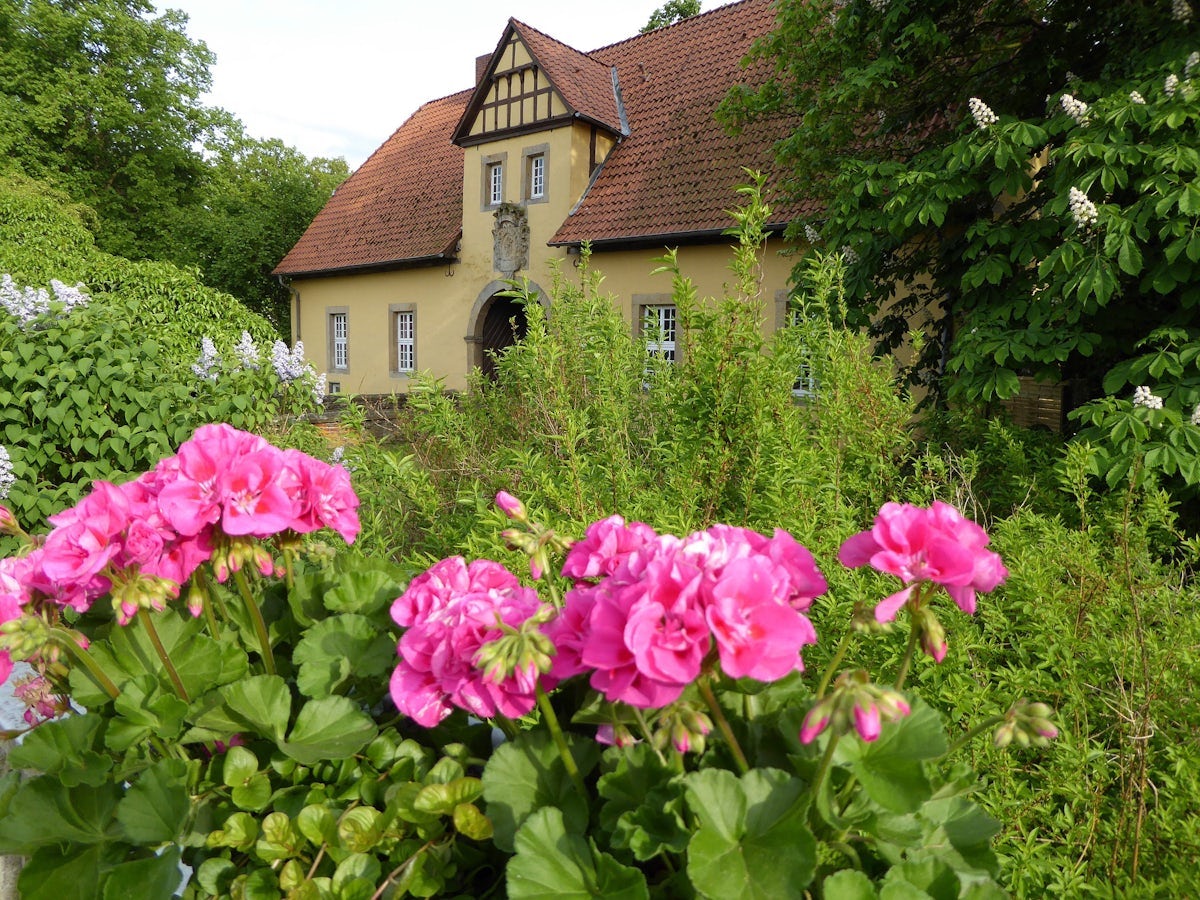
(339, 339)
(535, 173)
(404, 338)
(805, 387)
(537, 177)
(333, 387)
(495, 183)
(658, 325)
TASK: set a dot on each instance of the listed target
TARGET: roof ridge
(675, 24)
(515, 21)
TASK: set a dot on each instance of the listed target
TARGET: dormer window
(495, 183)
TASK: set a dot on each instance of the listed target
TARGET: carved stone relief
(510, 239)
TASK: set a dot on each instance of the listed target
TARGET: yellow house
(552, 147)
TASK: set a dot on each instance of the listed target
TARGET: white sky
(337, 78)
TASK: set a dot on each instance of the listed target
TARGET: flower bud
(511, 506)
(8, 522)
(615, 735)
(932, 634)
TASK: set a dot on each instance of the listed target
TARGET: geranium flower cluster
(1074, 108)
(936, 545)
(1083, 210)
(141, 540)
(28, 303)
(982, 114)
(1143, 396)
(451, 612)
(647, 609)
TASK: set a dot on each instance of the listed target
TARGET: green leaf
(469, 821)
(155, 808)
(553, 864)
(362, 588)
(848, 884)
(154, 876)
(338, 648)
(238, 767)
(758, 846)
(215, 875)
(441, 799)
(329, 728)
(44, 811)
(644, 808)
(262, 702)
(527, 774)
(53, 873)
(64, 747)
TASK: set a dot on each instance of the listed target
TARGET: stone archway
(496, 322)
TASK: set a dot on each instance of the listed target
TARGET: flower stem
(913, 636)
(645, 729)
(826, 762)
(260, 626)
(148, 623)
(560, 741)
(990, 722)
(64, 640)
(827, 676)
(710, 698)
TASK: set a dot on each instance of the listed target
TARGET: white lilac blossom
(1135, 97)
(1181, 11)
(1142, 396)
(981, 113)
(1074, 108)
(848, 254)
(1171, 84)
(247, 352)
(320, 386)
(289, 365)
(1083, 210)
(208, 364)
(338, 458)
(811, 234)
(28, 303)
(7, 477)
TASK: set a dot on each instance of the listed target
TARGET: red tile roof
(673, 176)
(584, 82)
(404, 204)
(677, 171)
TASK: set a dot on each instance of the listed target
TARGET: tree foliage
(967, 231)
(101, 99)
(671, 12)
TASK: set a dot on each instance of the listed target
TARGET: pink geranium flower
(919, 545)
(451, 612)
(605, 545)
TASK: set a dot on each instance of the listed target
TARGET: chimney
(481, 63)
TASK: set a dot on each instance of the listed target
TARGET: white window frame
(537, 176)
(661, 321)
(806, 384)
(403, 331)
(495, 185)
(339, 338)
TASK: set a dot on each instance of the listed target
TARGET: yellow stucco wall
(445, 304)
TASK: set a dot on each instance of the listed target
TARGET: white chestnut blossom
(247, 353)
(1142, 396)
(1083, 210)
(208, 363)
(879, 5)
(1196, 415)
(848, 255)
(1181, 11)
(1135, 97)
(1171, 85)
(1191, 62)
(981, 113)
(1074, 108)
(811, 234)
